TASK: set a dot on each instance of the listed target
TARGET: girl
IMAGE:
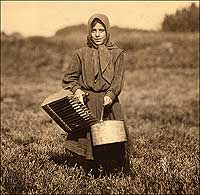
(97, 71)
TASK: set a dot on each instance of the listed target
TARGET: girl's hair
(95, 21)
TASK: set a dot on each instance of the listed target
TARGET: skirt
(81, 142)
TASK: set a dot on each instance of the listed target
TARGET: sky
(46, 17)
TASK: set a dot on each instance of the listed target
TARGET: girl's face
(98, 34)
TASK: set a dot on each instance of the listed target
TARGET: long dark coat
(97, 81)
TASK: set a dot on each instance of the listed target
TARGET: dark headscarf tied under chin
(101, 53)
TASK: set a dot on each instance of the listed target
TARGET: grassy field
(160, 100)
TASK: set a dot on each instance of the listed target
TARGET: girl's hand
(107, 101)
(80, 94)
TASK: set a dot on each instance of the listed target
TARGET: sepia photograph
(100, 97)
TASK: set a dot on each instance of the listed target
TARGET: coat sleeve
(72, 74)
(118, 80)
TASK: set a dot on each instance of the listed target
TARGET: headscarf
(102, 54)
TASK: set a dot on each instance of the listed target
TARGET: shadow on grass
(68, 159)
(97, 168)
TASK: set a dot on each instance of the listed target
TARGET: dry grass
(162, 112)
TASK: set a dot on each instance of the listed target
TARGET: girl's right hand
(80, 95)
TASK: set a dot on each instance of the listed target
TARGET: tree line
(184, 20)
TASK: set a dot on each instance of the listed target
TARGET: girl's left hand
(107, 101)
